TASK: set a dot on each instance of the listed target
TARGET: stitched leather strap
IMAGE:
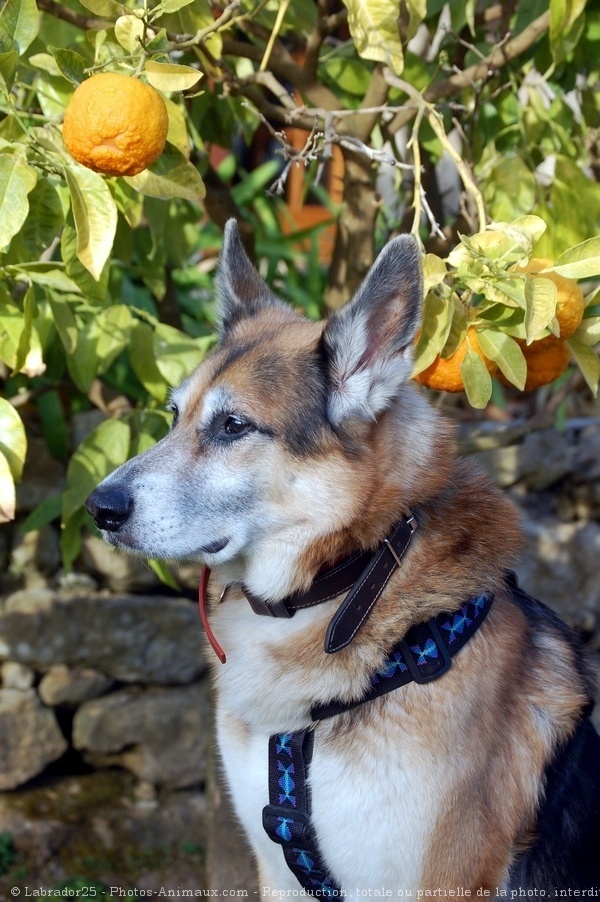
(325, 586)
(358, 604)
(365, 573)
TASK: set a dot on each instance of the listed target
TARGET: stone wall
(106, 752)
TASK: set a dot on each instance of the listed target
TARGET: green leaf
(176, 353)
(45, 512)
(373, 25)
(172, 6)
(141, 356)
(581, 261)
(13, 441)
(589, 331)
(30, 312)
(11, 330)
(8, 67)
(95, 215)
(437, 320)
(7, 492)
(83, 363)
(44, 221)
(65, 322)
(434, 272)
(129, 32)
(540, 296)
(477, 380)
(49, 275)
(563, 26)
(70, 64)
(22, 20)
(504, 351)
(106, 9)
(45, 62)
(164, 575)
(172, 175)
(114, 326)
(417, 10)
(103, 451)
(169, 77)
(587, 361)
(17, 179)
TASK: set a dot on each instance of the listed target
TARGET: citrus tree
(473, 126)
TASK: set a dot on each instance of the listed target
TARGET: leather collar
(364, 573)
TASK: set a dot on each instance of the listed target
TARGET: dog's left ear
(369, 342)
(240, 290)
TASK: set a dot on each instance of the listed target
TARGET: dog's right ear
(240, 290)
(369, 342)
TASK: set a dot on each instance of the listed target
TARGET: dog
(317, 483)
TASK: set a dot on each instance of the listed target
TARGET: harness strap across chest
(423, 655)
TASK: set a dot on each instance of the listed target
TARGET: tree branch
(87, 23)
(499, 57)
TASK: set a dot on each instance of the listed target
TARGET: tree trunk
(354, 247)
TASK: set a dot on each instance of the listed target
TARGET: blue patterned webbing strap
(423, 655)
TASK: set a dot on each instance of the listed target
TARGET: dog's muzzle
(110, 507)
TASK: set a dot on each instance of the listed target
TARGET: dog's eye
(235, 426)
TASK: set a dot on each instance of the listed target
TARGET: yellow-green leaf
(587, 361)
(17, 179)
(437, 320)
(373, 25)
(21, 20)
(129, 32)
(417, 10)
(434, 272)
(177, 354)
(7, 492)
(105, 8)
(172, 175)
(477, 380)
(580, 261)
(540, 296)
(171, 77)
(95, 215)
(13, 441)
(504, 351)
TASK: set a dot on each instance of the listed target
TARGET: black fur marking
(566, 851)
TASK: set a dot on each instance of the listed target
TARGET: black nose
(110, 506)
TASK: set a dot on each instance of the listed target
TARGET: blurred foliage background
(324, 127)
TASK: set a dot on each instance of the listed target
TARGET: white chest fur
(374, 787)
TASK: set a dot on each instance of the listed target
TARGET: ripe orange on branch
(115, 124)
(444, 373)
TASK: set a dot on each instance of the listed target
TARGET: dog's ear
(240, 290)
(369, 342)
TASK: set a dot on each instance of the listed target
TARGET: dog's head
(276, 443)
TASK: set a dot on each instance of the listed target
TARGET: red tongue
(204, 578)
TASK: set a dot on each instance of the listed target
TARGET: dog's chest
(373, 783)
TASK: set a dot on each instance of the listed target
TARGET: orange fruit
(115, 124)
(444, 373)
(569, 297)
(546, 361)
